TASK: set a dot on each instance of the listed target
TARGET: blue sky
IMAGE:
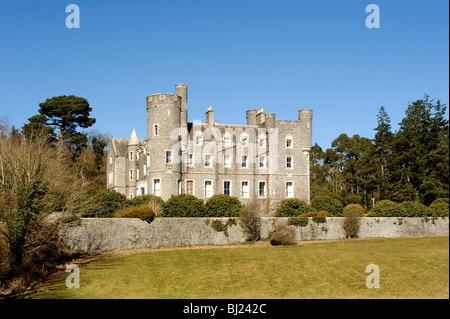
(234, 55)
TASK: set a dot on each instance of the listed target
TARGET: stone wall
(106, 234)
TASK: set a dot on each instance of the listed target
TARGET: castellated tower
(165, 112)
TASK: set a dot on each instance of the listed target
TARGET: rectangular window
(288, 162)
(227, 161)
(189, 159)
(190, 187)
(262, 161)
(227, 141)
(131, 156)
(245, 189)
(262, 189)
(179, 187)
(288, 143)
(131, 174)
(289, 189)
(226, 188)
(244, 141)
(168, 157)
(207, 160)
(244, 160)
(145, 169)
(198, 140)
(157, 187)
(262, 142)
(208, 188)
(142, 190)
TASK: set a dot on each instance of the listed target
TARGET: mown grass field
(409, 268)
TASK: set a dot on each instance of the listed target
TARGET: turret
(210, 117)
(181, 91)
(305, 118)
(131, 164)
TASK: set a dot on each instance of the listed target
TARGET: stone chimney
(210, 116)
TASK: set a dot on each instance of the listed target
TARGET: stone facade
(266, 160)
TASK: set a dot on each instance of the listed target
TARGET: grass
(409, 268)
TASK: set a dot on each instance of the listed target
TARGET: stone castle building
(266, 160)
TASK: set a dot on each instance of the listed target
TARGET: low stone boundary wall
(106, 234)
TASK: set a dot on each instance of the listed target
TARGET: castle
(266, 160)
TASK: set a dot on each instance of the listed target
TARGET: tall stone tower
(165, 112)
(131, 165)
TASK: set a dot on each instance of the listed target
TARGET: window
(189, 159)
(289, 189)
(288, 162)
(245, 189)
(137, 173)
(190, 187)
(145, 169)
(244, 141)
(157, 187)
(155, 130)
(226, 187)
(227, 161)
(131, 196)
(131, 174)
(148, 159)
(227, 140)
(262, 142)
(179, 187)
(131, 156)
(244, 161)
(110, 159)
(262, 189)
(169, 157)
(208, 188)
(142, 189)
(198, 140)
(262, 161)
(207, 160)
(289, 142)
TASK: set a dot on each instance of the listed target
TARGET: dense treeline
(411, 164)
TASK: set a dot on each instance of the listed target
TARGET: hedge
(222, 205)
(291, 207)
(328, 204)
(142, 212)
(184, 205)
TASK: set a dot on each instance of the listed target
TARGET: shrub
(317, 214)
(328, 204)
(298, 221)
(356, 209)
(249, 221)
(222, 205)
(282, 235)
(351, 220)
(386, 208)
(415, 209)
(142, 212)
(440, 207)
(291, 207)
(184, 205)
(353, 199)
(104, 204)
(145, 200)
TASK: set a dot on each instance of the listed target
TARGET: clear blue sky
(234, 55)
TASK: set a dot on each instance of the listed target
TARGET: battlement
(287, 124)
(305, 114)
(164, 98)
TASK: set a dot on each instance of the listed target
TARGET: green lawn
(409, 268)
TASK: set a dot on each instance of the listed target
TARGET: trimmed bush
(328, 204)
(282, 235)
(415, 209)
(355, 209)
(184, 205)
(440, 207)
(291, 207)
(104, 204)
(222, 205)
(386, 208)
(142, 212)
(144, 200)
